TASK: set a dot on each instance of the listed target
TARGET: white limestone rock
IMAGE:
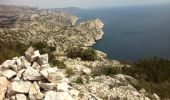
(86, 71)
(35, 93)
(47, 71)
(32, 74)
(25, 62)
(9, 74)
(43, 59)
(20, 97)
(29, 53)
(19, 87)
(19, 63)
(62, 87)
(8, 63)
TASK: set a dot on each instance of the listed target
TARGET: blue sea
(132, 32)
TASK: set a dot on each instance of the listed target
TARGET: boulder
(20, 97)
(3, 87)
(32, 74)
(8, 63)
(19, 87)
(9, 74)
(35, 93)
(51, 95)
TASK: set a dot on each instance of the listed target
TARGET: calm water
(133, 32)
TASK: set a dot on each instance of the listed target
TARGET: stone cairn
(30, 77)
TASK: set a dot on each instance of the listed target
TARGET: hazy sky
(80, 3)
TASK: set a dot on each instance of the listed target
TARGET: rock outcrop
(30, 83)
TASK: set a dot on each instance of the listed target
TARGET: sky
(80, 3)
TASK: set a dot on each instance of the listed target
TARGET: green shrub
(58, 63)
(107, 70)
(85, 54)
(88, 54)
(69, 71)
(74, 52)
(9, 50)
(79, 80)
(43, 47)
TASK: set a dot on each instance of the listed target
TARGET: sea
(132, 32)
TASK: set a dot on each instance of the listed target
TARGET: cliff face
(32, 77)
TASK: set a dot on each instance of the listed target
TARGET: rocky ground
(32, 77)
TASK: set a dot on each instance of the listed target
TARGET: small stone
(62, 87)
(35, 93)
(86, 71)
(43, 59)
(48, 86)
(31, 74)
(20, 97)
(9, 74)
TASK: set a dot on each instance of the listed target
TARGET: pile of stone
(30, 77)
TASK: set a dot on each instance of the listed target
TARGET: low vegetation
(79, 80)
(107, 70)
(85, 54)
(153, 75)
(69, 72)
(10, 50)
